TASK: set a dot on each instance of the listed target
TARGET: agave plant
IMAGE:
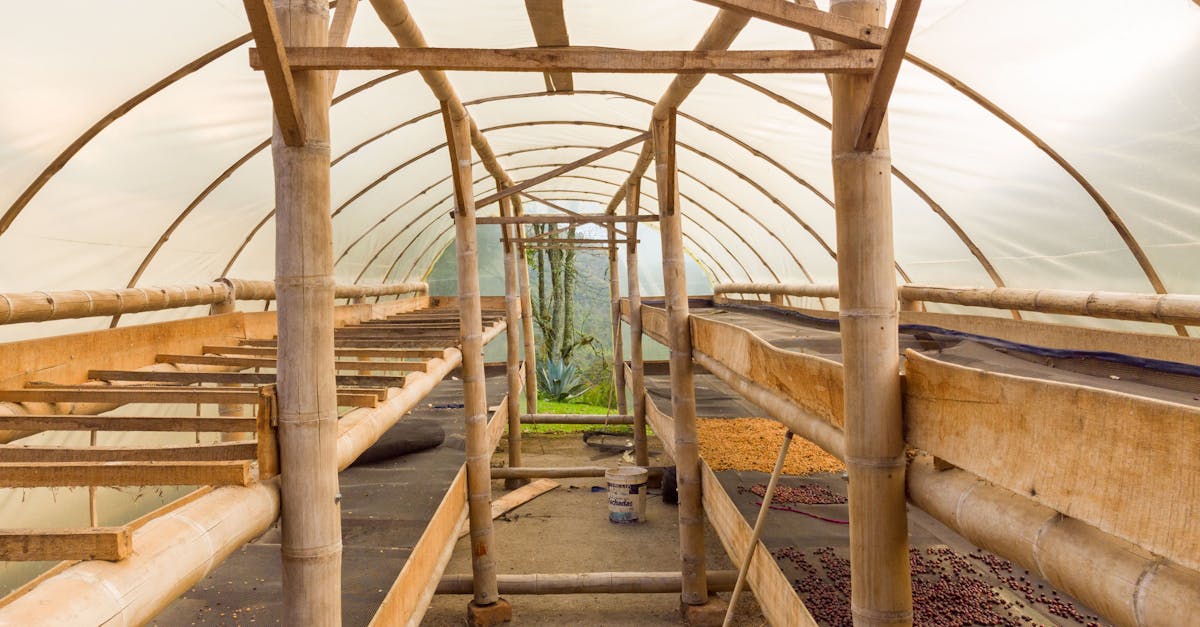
(560, 381)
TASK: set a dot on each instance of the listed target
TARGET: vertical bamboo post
(527, 337)
(637, 364)
(614, 289)
(479, 478)
(512, 314)
(881, 589)
(683, 389)
(310, 518)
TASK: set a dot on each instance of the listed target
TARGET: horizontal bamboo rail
(588, 583)
(1174, 309)
(59, 305)
(576, 419)
(581, 218)
(564, 472)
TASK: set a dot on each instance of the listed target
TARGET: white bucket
(626, 494)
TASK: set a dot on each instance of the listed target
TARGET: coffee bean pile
(948, 591)
(1049, 598)
(805, 493)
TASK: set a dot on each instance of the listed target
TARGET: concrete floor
(567, 531)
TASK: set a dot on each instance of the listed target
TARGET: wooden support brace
(274, 63)
(563, 169)
(807, 19)
(884, 79)
(44, 545)
(580, 59)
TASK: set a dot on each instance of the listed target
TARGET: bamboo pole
(744, 569)
(683, 388)
(527, 337)
(587, 583)
(881, 590)
(512, 312)
(577, 419)
(311, 545)
(637, 368)
(563, 472)
(614, 290)
(479, 480)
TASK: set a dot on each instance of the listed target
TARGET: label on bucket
(626, 495)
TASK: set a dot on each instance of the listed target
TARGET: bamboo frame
(479, 482)
(527, 336)
(577, 419)
(683, 388)
(587, 583)
(571, 219)
(637, 377)
(558, 472)
(512, 308)
(881, 593)
(509, 190)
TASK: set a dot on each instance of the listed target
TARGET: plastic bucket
(626, 494)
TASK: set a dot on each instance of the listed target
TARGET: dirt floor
(567, 530)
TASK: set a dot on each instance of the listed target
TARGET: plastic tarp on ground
(1111, 87)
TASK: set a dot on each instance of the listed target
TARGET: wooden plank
(42, 545)
(779, 602)
(275, 66)
(579, 59)
(586, 218)
(46, 422)
(221, 451)
(235, 378)
(807, 19)
(131, 394)
(268, 362)
(406, 348)
(1056, 443)
(512, 500)
(550, 30)
(271, 350)
(410, 594)
(884, 79)
(560, 170)
(114, 474)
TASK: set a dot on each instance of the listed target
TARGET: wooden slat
(43, 545)
(563, 169)
(47, 422)
(222, 451)
(114, 474)
(884, 79)
(405, 348)
(275, 66)
(1058, 444)
(267, 362)
(807, 19)
(589, 218)
(396, 353)
(606, 60)
(131, 394)
(235, 378)
(550, 30)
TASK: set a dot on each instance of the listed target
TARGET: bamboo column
(881, 589)
(479, 479)
(614, 289)
(637, 364)
(527, 337)
(683, 389)
(512, 314)
(310, 519)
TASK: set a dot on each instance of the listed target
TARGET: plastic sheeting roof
(1019, 124)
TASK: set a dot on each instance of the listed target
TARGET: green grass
(554, 407)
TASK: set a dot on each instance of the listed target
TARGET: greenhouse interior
(635, 312)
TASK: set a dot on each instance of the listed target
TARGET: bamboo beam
(884, 80)
(590, 218)
(614, 289)
(567, 240)
(786, 289)
(550, 30)
(51, 422)
(580, 59)
(310, 521)
(577, 419)
(881, 590)
(683, 388)
(512, 308)
(561, 472)
(43, 545)
(1175, 309)
(224, 451)
(479, 481)
(588, 583)
(560, 170)
(278, 73)
(637, 378)
(807, 19)
(51, 474)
